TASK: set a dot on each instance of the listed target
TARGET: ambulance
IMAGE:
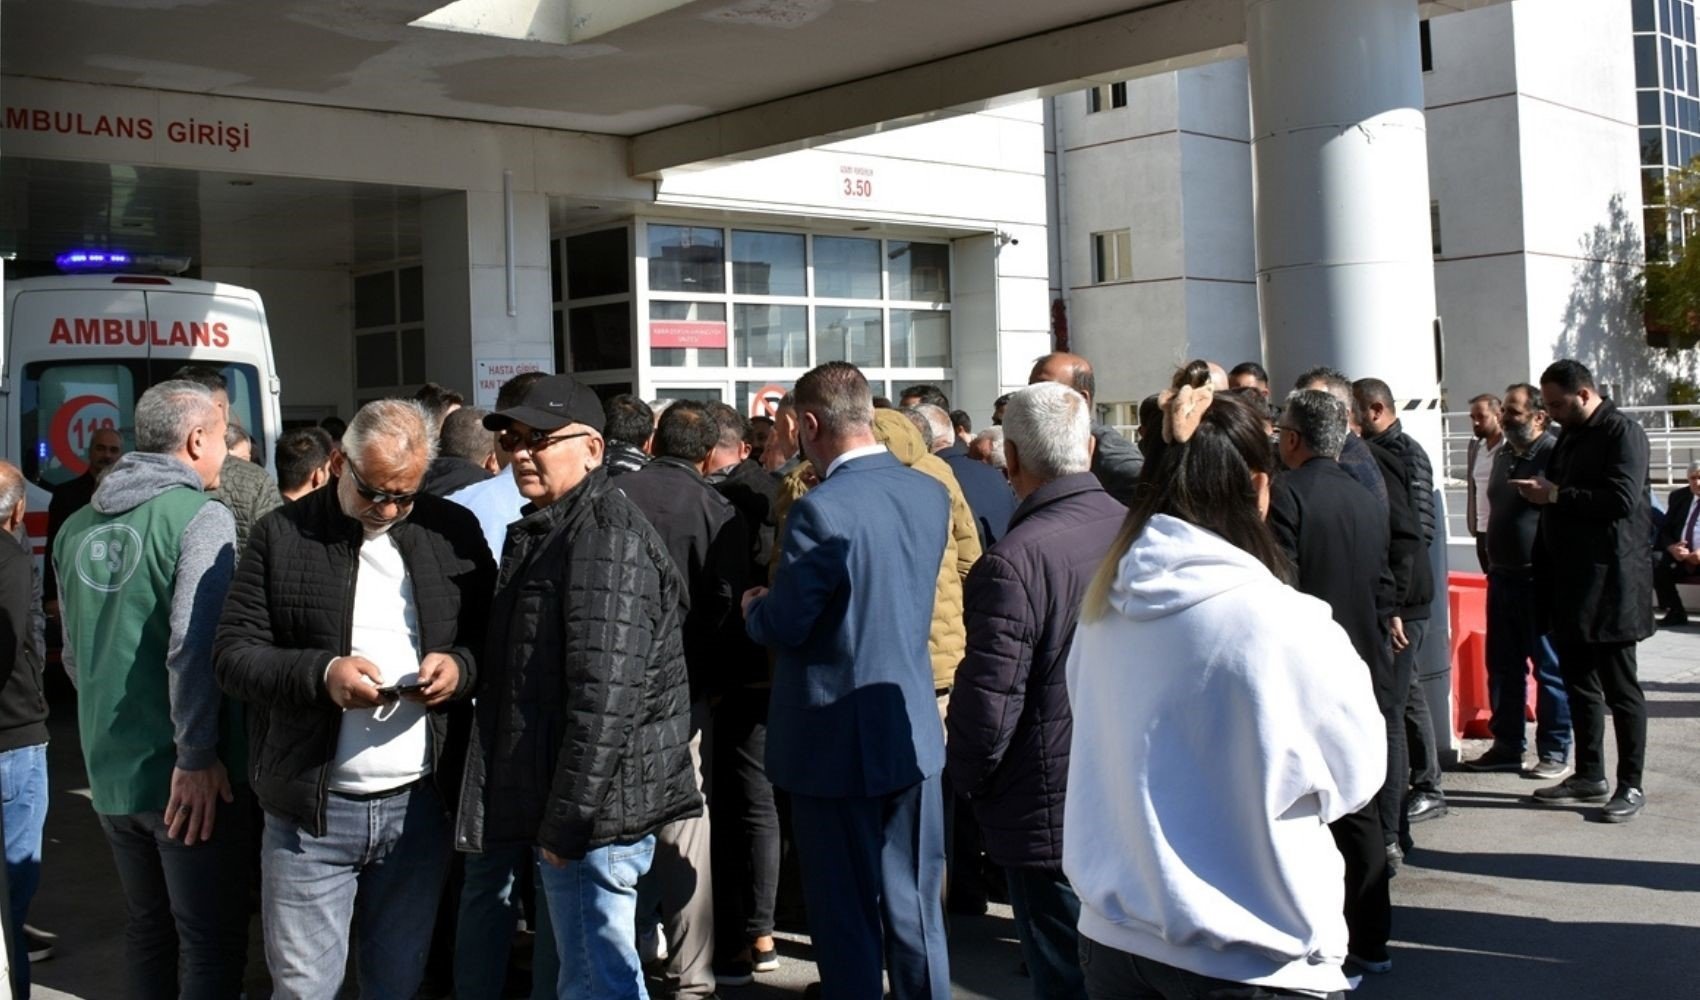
(78, 350)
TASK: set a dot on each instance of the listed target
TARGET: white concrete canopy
(723, 78)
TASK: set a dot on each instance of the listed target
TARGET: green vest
(116, 575)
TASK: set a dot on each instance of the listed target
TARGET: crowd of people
(606, 669)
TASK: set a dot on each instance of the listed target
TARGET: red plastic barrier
(1466, 598)
(1472, 709)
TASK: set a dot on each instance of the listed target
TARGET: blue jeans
(484, 929)
(380, 866)
(186, 926)
(1514, 640)
(593, 909)
(1046, 912)
(23, 797)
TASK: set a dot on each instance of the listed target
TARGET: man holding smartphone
(352, 627)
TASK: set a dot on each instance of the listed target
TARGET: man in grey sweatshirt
(142, 572)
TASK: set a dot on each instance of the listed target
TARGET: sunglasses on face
(533, 441)
(372, 494)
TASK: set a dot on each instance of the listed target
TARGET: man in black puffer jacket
(582, 744)
(350, 630)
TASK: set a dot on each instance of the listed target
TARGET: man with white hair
(142, 570)
(1009, 722)
(352, 631)
(987, 491)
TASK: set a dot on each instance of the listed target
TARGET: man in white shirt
(352, 629)
(1484, 446)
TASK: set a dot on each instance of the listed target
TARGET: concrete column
(1340, 168)
(465, 241)
(1345, 271)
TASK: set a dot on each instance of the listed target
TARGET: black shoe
(1624, 806)
(1573, 789)
(734, 973)
(1395, 858)
(1547, 770)
(1425, 805)
(1496, 759)
(765, 960)
(1674, 619)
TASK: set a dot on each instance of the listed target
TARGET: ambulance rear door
(223, 326)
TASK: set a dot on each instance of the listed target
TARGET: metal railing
(1673, 432)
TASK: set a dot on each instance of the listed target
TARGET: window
(770, 336)
(920, 272)
(1112, 256)
(687, 334)
(1427, 46)
(849, 334)
(1106, 96)
(389, 336)
(686, 259)
(593, 323)
(768, 263)
(1434, 225)
(847, 268)
(920, 339)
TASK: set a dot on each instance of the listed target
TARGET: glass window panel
(847, 267)
(412, 281)
(374, 300)
(1665, 59)
(600, 337)
(685, 259)
(1688, 21)
(1646, 61)
(412, 356)
(768, 263)
(1647, 106)
(600, 263)
(1652, 187)
(1094, 100)
(556, 273)
(1653, 221)
(755, 399)
(1673, 152)
(1650, 147)
(1118, 95)
(679, 357)
(1644, 15)
(920, 272)
(694, 393)
(561, 342)
(375, 360)
(770, 336)
(920, 338)
(845, 333)
(1670, 109)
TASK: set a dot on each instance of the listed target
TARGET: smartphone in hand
(395, 691)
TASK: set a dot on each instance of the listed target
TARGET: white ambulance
(78, 350)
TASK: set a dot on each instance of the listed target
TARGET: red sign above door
(687, 333)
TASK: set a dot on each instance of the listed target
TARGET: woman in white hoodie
(1221, 721)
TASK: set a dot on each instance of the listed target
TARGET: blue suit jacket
(853, 712)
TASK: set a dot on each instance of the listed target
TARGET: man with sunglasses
(582, 742)
(352, 629)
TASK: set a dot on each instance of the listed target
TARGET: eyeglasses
(374, 495)
(534, 441)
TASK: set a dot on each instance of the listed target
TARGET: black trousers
(1598, 676)
(1666, 575)
(1369, 905)
(1118, 975)
(745, 845)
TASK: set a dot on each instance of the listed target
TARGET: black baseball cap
(551, 404)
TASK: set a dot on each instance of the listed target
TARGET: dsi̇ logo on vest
(108, 557)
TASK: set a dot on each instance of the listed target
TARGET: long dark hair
(1205, 481)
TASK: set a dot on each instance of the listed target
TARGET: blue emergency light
(73, 261)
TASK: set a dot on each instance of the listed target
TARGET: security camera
(1005, 239)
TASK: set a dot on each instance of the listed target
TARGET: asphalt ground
(1500, 898)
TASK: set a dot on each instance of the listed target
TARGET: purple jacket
(1009, 724)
